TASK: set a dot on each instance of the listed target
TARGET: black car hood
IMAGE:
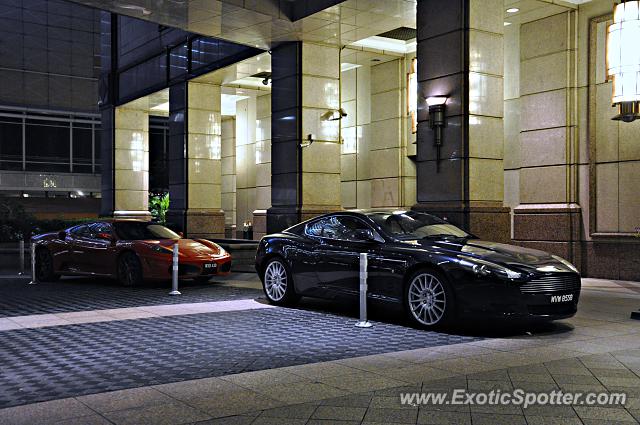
(508, 255)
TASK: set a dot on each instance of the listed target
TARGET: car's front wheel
(129, 269)
(278, 284)
(428, 299)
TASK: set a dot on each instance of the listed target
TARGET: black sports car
(436, 270)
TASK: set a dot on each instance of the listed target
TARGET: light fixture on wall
(333, 115)
(623, 59)
(437, 121)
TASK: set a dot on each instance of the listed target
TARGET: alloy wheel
(275, 280)
(427, 299)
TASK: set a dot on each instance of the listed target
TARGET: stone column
(548, 216)
(263, 165)
(245, 162)
(229, 175)
(460, 55)
(305, 180)
(195, 159)
(131, 160)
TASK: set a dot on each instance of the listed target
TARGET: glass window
(82, 150)
(414, 225)
(101, 228)
(82, 231)
(337, 227)
(10, 144)
(47, 146)
(136, 230)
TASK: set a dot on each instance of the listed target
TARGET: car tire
(277, 283)
(129, 269)
(429, 300)
(44, 266)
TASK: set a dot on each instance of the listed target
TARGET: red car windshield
(136, 231)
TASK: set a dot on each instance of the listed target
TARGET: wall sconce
(437, 107)
(623, 59)
(333, 115)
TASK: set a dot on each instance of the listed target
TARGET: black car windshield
(136, 231)
(414, 225)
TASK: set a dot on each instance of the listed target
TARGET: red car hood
(190, 247)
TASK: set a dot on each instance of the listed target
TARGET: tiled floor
(598, 350)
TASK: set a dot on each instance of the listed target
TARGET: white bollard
(174, 272)
(363, 322)
(34, 277)
(21, 248)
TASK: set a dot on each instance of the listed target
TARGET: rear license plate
(561, 298)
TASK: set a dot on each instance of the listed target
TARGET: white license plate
(210, 266)
(561, 298)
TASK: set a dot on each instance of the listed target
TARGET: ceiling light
(513, 10)
(162, 107)
(387, 44)
(506, 24)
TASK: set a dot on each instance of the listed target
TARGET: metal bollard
(174, 272)
(363, 322)
(34, 277)
(21, 248)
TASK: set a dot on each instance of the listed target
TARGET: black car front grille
(561, 282)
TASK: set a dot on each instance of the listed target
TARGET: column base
(139, 215)
(488, 221)
(555, 228)
(205, 224)
(259, 224)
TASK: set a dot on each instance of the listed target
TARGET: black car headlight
(485, 268)
(566, 263)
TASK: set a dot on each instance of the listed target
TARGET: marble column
(460, 55)
(229, 175)
(195, 129)
(131, 160)
(548, 216)
(263, 165)
(305, 180)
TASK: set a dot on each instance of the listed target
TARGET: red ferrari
(128, 250)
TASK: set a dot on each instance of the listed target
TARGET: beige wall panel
(482, 15)
(544, 110)
(321, 157)
(385, 192)
(486, 136)
(364, 194)
(385, 134)
(486, 52)
(387, 163)
(544, 36)
(544, 147)
(607, 206)
(486, 180)
(349, 198)
(320, 60)
(348, 167)
(386, 105)
(543, 185)
(320, 189)
(386, 76)
(486, 95)
(544, 73)
(630, 196)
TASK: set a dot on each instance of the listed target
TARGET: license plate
(210, 266)
(561, 298)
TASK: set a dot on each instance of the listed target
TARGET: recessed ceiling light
(506, 24)
(513, 10)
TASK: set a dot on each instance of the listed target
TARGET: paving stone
(496, 419)
(339, 413)
(356, 400)
(603, 413)
(125, 399)
(229, 420)
(166, 414)
(552, 420)
(296, 411)
(433, 417)
(405, 416)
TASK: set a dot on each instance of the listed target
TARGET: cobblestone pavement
(598, 350)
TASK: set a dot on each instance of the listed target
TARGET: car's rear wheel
(278, 284)
(428, 299)
(129, 269)
(44, 266)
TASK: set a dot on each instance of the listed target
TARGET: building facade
(49, 122)
(279, 111)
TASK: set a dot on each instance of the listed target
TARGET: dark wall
(49, 55)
